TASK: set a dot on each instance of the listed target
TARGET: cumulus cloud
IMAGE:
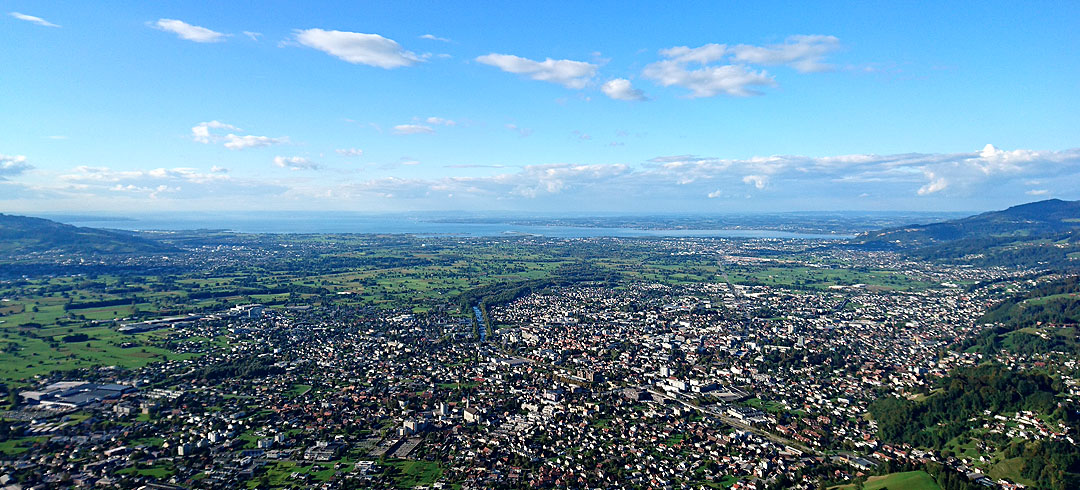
(349, 152)
(759, 181)
(568, 73)
(12, 165)
(413, 129)
(714, 69)
(202, 133)
(30, 18)
(936, 184)
(622, 89)
(1037, 192)
(358, 48)
(295, 163)
(188, 31)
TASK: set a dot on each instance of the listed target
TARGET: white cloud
(141, 178)
(412, 129)
(202, 133)
(234, 142)
(708, 81)
(704, 54)
(804, 53)
(358, 48)
(11, 165)
(759, 181)
(936, 184)
(568, 73)
(622, 89)
(923, 174)
(30, 18)
(905, 181)
(438, 121)
(737, 76)
(295, 163)
(188, 31)
(433, 37)
(349, 152)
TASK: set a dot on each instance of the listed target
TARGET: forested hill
(1041, 235)
(21, 235)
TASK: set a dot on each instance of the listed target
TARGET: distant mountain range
(21, 235)
(1041, 234)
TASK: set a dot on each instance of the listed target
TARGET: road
(736, 423)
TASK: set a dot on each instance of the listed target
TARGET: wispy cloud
(188, 31)
(568, 73)
(358, 48)
(523, 132)
(674, 182)
(234, 142)
(803, 53)
(413, 129)
(295, 163)
(202, 133)
(349, 152)
(708, 81)
(438, 121)
(432, 37)
(30, 18)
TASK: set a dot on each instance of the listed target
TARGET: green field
(417, 273)
(409, 474)
(908, 480)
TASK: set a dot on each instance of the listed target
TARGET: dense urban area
(223, 360)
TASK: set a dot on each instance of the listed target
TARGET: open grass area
(12, 447)
(908, 480)
(1009, 469)
(159, 472)
(408, 473)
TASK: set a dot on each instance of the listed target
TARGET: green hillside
(21, 235)
(1039, 235)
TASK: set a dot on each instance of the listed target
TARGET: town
(758, 377)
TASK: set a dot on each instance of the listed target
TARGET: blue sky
(577, 106)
